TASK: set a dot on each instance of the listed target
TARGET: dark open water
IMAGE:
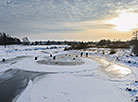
(13, 82)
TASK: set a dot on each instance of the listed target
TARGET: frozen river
(68, 78)
(13, 82)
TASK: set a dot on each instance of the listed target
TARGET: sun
(125, 22)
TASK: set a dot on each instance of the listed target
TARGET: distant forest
(6, 39)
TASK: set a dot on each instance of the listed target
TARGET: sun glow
(125, 22)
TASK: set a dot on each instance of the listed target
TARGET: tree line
(6, 39)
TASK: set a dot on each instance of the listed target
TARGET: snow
(98, 78)
(123, 55)
(71, 88)
(25, 96)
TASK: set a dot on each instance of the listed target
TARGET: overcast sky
(63, 19)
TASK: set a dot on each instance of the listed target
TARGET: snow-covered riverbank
(80, 84)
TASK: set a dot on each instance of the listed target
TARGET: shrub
(112, 51)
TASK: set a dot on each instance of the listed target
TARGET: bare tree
(135, 34)
(25, 41)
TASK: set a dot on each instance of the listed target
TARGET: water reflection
(118, 70)
(115, 69)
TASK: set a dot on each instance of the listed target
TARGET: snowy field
(69, 77)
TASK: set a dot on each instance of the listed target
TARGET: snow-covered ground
(124, 56)
(71, 78)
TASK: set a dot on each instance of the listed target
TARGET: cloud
(37, 16)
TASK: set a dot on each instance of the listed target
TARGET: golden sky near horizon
(120, 27)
